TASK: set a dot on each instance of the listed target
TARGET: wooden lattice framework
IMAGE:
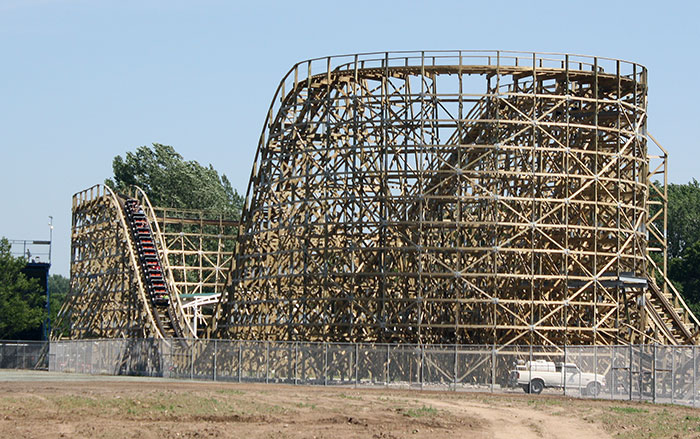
(453, 197)
(107, 297)
(199, 248)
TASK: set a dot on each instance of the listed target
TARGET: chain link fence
(662, 374)
(24, 355)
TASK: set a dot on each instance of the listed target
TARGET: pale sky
(83, 81)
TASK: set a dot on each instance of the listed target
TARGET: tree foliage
(684, 241)
(683, 217)
(171, 181)
(21, 299)
(58, 290)
(685, 272)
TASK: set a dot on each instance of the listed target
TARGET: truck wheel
(593, 389)
(536, 386)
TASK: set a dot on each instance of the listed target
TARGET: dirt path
(513, 422)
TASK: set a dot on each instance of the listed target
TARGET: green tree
(683, 217)
(58, 290)
(683, 237)
(21, 299)
(684, 271)
(171, 181)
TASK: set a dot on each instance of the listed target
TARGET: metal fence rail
(662, 374)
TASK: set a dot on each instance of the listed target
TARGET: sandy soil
(152, 408)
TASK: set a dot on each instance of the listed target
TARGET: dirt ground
(42, 405)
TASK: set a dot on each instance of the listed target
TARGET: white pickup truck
(535, 376)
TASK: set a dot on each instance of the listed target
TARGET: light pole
(47, 328)
(50, 236)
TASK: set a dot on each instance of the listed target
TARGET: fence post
(171, 353)
(695, 369)
(580, 378)
(529, 373)
(629, 371)
(612, 371)
(192, 360)
(653, 373)
(454, 372)
(215, 354)
(240, 359)
(325, 363)
(296, 362)
(566, 361)
(595, 363)
(126, 353)
(422, 365)
(493, 367)
(673, 373)
(386, 369)
(640, 375)
(357, 362)
(267, 361)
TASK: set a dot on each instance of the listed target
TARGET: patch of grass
(72, 402)
(559, 413)
(154, 405)
(628, 410)
(421, 412)
(346, 396)
(230, 392)
(544, 402)
(7, 402)
(164, 408)
(629, 422)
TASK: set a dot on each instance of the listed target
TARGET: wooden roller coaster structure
(142, 272)
(470, 197)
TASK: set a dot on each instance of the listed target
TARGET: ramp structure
(471, 197)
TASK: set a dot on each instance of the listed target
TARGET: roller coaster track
(121, 284)
(669, 312)
(150, 266)
(148, 247)
(180, 326)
